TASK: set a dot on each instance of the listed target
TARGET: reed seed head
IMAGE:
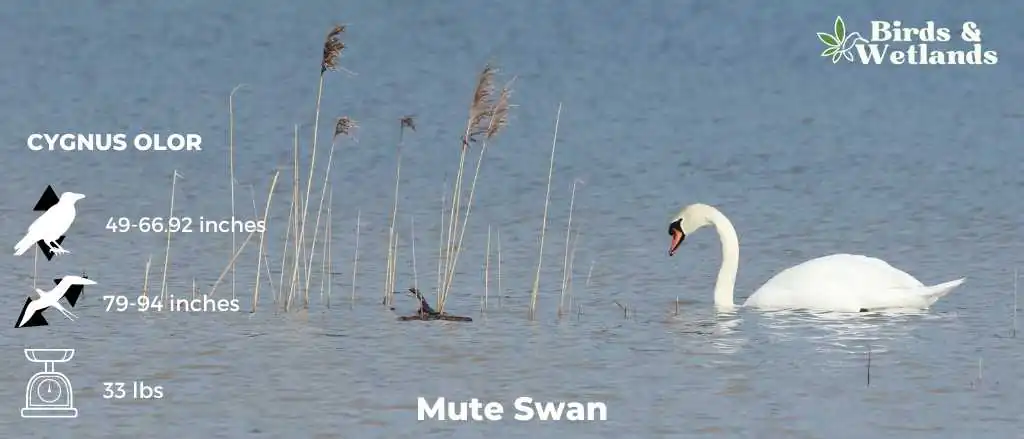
(332, 49)
(499, 113)
(344, 126)
(481, 107)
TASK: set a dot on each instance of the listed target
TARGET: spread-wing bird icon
(50, 227)
(68, 287)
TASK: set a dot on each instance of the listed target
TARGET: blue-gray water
(664, 104)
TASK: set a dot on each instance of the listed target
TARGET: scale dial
(49, 390)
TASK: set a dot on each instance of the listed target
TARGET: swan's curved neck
(726, 283)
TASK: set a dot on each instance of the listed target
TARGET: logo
(891, 42)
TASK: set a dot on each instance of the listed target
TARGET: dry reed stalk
(565, 260)
(501, 292)
(284, 252)
(389, 282)
(355, 260)
(265, 259)
(231, 171)
(497, 119)
(333, 46)
(167, 250)
(544, 221)
(330, 246)
(145, 279)
(487, 267)
(440, 239)
(297, 205)
(344, 126)
(263, 236)
(415, 274)
(230, 263)
(1013, 329)
(572, 263)
(323, 265)
(476, 124)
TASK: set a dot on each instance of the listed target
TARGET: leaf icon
(830, 51)
(836, 57)
(848, 55)
(829, 40)
(840, 28)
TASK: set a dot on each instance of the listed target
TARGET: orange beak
(677, 238)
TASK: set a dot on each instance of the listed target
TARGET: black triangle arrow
(36, 320)
(74, 292)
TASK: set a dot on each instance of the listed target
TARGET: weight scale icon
(48, 394)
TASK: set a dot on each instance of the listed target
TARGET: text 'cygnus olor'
(839, 282)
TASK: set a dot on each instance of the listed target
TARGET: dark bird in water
(424, 306)
(425, 312)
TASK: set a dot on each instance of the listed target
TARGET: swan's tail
(22, 246)
(935, 292)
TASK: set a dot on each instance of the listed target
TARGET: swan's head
(688, 220)
(71, 196)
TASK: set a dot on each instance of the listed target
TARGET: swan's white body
(839, 282)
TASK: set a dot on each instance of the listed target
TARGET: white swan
(839, 282)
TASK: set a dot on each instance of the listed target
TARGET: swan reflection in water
(722, 329)
(851, 335)
(843, 338)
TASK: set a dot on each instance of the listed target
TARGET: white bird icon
(52, 298)
(51, 225)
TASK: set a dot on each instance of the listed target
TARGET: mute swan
(839, 282)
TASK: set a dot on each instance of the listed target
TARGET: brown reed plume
(343, 127)
(488, 116)
(333, 46)
(476, 124)
(389, 281)
(331, 54)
